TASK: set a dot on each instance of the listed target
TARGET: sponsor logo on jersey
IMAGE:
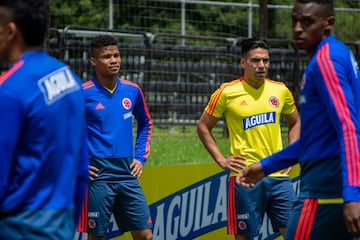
(57, 84)
(274, 101)
(259, 119)
(126, 102)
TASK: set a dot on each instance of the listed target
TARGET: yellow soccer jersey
(252, 116)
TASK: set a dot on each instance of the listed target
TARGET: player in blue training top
(43, 155)
(328, 148)
(115, 165)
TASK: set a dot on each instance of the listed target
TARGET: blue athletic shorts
(312, 221)
(125, 199)
(54, 224)
(247, 206)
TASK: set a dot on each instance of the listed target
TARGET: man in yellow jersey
(252, 106)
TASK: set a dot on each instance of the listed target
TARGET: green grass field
(181, 145)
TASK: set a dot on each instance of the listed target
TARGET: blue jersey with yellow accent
(328, 148)
(252, 116)
(110, 122)
(43, 154)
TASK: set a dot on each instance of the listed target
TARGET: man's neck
(108, 83)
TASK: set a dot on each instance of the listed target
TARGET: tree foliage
(165, 16)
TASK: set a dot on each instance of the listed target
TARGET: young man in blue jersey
(252, 106)
(43, 155)
(115, 164)
(328, 149)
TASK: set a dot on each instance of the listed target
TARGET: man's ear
(330, 22)
(242, 62)
(11, 31)
(93, 61)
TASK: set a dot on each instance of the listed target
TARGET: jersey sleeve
(289, 106)
(217, 103)
(144, 128)
(282, 159)
(338, 93)
(11, 123)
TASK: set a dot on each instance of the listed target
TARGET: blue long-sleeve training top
(328, 148)
(43, 155)
(110, 119)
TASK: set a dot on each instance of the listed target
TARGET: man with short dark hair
(116, 164)
(252, 106)
(328, 148)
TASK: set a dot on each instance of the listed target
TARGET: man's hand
(250, 175)
(93, 172)
(233, 163)
(286, 170)
(136, 168)
(352, 217)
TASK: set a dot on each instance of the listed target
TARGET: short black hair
(31, 17)
(252, 43)
(328, 4)
(101, 41)
(317, 1)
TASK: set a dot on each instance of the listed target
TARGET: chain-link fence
(177, 79)
(226, 18)
(181, 51)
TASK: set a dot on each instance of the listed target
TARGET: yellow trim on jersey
(330, 201)
(252, 116)
(111, 90)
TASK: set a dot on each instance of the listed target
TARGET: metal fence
(225, 18)
(177, 79)
(180, 51)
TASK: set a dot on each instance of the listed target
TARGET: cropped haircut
(31, 17)
(252, 43)
(328, 4)
(101, 41)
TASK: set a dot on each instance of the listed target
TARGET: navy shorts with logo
(247, 206)
(125, 199)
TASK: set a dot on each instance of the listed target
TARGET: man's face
(309, 24)
(256, 64)
(107, 61)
